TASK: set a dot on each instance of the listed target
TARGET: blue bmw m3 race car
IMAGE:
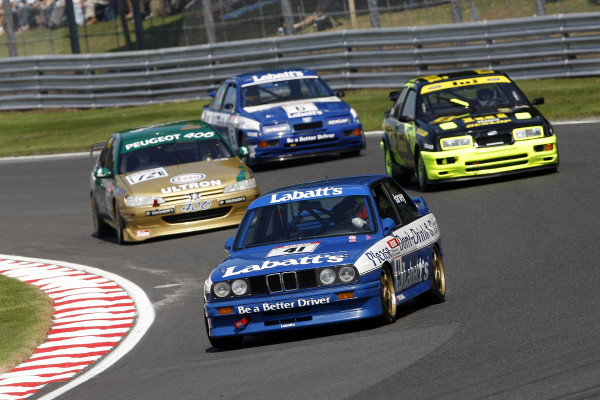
(324, 252)
(282, 114)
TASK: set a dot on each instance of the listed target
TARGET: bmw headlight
(246, 184)
(275, 129)
(528, 133)
(137, 201)
(456, 142)
(239, 287)
(327, 276)
(222, 289)
(346, 273)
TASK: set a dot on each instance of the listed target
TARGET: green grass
(25, 318)
(60, 131)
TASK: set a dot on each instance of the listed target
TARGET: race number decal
(146, 175)
(297, 110)
(293, 249)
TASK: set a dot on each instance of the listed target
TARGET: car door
(104, 184)
(221, 109)
(392, 202)
(399, 126)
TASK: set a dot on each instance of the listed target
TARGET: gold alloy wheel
(439, 276)
(388, 297)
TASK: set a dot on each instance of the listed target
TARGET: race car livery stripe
(415, 236)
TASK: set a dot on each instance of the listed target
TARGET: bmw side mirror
(212, 93)
(388, 225)
(229, 244)
(537, 101)
(102, 173)
(421, 205)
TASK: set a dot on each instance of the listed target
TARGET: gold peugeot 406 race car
(166, 179)
(464, 125)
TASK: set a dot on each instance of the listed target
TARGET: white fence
(565, 45)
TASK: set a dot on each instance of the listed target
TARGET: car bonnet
(315, 109)
(315, 253)
(191, 177)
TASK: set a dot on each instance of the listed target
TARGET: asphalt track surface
(520, 320)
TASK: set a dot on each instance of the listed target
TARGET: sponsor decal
(278, 76)
(166, 139)
(153, 213)
(187, 178)
(197, 206)
(306, 194)
(399, 198)
(142, 233)
(190, 185)
(284, 305)
(267, 264)
(231, 201)
(149, 174)
(310, 138)
(293, 249)
(486, 120)
(352, 238)
(298, 110)
(393, 243)
(409, 275)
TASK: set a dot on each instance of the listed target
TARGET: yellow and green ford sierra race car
(464, 125)
(165, 179)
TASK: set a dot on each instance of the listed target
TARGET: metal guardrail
(565, 45)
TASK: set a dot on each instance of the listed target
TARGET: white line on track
(98, 316)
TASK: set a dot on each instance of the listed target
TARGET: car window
(306, 219)
(402, 202)
(217, 102)
(106, 151)
(174, 153)
(230, 99)
(409, 106)
(384, 205)
(398, 105)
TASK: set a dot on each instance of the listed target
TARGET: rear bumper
(304, 145)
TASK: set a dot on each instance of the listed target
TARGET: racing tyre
(222, 343)
(437, 293)
(101, 228)
(119, 225)
(395, 171)
(387, 296)
(422, 174)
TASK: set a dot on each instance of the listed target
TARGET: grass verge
(25, 318)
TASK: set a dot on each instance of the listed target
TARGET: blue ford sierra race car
(281, 114)
(324, 252)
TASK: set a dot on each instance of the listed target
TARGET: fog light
(549, 147)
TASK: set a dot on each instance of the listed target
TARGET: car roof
(465, 74)
(350, 185)
(274, 74)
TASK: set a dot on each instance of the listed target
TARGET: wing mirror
(243, 151)
(421, 205)
(102, 173)
(388, 225)
(229, 244)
